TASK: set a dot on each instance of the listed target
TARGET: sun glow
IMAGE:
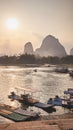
(12, 23)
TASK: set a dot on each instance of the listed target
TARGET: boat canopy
(68, 92)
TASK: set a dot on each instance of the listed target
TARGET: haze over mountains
(50, 47)
(71, 51)
(28, 48)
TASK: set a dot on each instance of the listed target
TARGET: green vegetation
(31, 59)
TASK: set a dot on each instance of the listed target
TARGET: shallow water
(44, 80)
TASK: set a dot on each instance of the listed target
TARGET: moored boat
(61, 70)
(17, 114)
(26, 99)
(57, 101)
(64, 102)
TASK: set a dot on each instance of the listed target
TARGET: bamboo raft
(15, 114)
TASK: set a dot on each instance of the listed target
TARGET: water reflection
(45, 80)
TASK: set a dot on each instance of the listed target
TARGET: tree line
(32, 59)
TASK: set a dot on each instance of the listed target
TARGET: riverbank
(49, 122)
(55, 124)
(37, 65)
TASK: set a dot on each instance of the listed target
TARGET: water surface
(45, 80)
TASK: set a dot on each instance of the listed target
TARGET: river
(44, 81)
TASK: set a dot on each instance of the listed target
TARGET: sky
(36, 19)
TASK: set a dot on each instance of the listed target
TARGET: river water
(45, 82)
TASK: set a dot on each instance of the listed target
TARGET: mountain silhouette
(51, 47)
(28, 48)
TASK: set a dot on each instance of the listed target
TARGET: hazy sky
(37, 19)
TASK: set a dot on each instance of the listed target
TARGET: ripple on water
(48, 82)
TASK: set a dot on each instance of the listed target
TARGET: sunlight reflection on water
(44, 80)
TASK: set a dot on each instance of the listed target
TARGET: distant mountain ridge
(50, 47)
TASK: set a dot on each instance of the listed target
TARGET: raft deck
(16, 114)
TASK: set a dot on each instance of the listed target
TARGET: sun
(12, 23)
